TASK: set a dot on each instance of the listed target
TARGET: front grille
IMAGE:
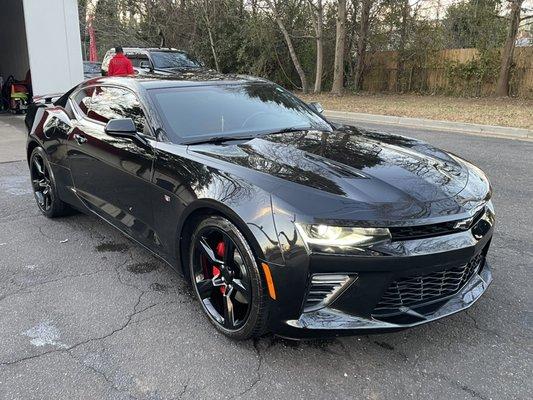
(425, 231)
(324, 288)
(418, 290)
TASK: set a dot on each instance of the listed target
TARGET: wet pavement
(87, 314)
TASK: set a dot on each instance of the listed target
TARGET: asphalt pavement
(87, 314)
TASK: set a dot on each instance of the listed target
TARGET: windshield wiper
(292, 129)
(218, 139)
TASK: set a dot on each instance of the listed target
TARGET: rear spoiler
(47, 98)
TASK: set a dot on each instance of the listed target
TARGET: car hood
(351, 163)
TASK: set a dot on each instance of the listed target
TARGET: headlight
(336, 236)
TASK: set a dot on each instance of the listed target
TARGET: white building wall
(54, 46)
(13, 51)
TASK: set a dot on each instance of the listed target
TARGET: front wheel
(226, 279)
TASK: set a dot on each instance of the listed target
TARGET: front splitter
(330, 322)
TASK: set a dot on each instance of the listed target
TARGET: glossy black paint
(151, 188)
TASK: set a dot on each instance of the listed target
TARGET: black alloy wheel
(43, 185)
(226, 279)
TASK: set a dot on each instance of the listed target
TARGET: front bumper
(363, 306)
(332, 322)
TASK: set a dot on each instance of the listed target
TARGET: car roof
(147, 49)
(178, 79)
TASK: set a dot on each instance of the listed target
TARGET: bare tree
(340, 45)
(274, 6)
(208, 24)
(362, 42)
(405, 14)
(317, 11)
(502, 87)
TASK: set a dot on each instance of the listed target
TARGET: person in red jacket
(120, 65)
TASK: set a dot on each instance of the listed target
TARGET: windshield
(173, 59)
(200, 112)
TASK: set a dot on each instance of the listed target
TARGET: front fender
(254, 220)
(186, 186)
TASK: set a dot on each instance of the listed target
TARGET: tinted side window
(83, 99)
(136, 59)
(112, 103)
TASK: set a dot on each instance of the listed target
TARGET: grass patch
(488, 111)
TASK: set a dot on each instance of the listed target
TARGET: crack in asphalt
(465, 388)
(478, 327)
(119, 276)
(11, 294)
(184, 389)
(391, 348)
(15, 214)
(255, 344)
(114, 331)
(127, 323)
(33, 285)
(103, 375)
(40, 228)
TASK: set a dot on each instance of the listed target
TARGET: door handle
(80, 138)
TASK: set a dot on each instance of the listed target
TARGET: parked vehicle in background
(92, 69)
(155, 60)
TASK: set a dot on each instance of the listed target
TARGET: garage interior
(14, 59)
(43, 38)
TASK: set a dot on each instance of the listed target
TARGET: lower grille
(418, 290)
(324, 288)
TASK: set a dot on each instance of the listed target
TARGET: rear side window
(111, 103)
(83, 99)
(136, 59)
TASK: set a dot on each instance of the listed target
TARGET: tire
(255, 322)
(53, 207)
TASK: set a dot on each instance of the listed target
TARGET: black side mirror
(145, 65)
(124, 128)
(317, 107)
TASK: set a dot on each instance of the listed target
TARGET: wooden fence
(435, 75)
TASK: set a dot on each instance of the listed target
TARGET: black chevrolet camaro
(282, 221)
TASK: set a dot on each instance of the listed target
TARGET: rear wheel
(226, 279)
(44, 185)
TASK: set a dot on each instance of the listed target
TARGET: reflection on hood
(350, 162)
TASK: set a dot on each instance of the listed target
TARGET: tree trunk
(340, 44)
(400, 70)
(292, 52)
(319, 47)
(361, 43)
(502, 87)
(210, 34)
(351, 37)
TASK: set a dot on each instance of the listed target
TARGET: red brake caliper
(220, 249)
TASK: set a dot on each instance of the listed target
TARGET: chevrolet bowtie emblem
(463, 224)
